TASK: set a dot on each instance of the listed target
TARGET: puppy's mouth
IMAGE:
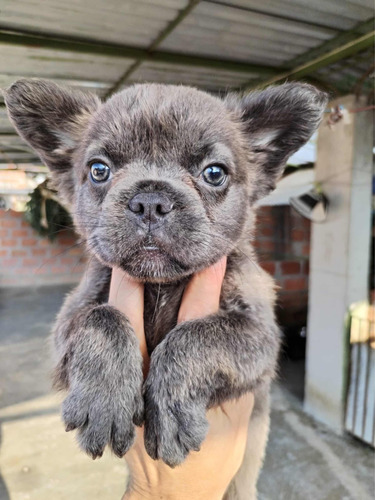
(151, 248)
(150, 245)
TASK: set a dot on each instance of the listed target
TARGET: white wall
(339, 260)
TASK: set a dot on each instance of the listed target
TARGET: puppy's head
(160, 179)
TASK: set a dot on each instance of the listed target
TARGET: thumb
(127, 295)
(202, 293)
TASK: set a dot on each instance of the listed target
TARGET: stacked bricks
(28, 259)
(283, 245)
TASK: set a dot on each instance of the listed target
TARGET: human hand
(205, 474)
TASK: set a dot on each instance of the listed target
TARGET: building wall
(282, 240)
(28, 259)
(283, 243)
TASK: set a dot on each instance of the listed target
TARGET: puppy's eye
(214, 175)
(100, 172)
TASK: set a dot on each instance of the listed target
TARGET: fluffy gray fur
(158, 139)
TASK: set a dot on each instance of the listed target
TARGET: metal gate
(360, 403)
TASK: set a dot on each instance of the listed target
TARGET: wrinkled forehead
(159, 123)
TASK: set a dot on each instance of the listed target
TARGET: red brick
(305, 223)
(67, 240)
(4, 233)
(19, 253)
(298, 235)
(20, 232)
(59, 270)
(305, 266)
(266, 231)
(44, 243)
(295, 284)
(19, 270)
(266, 245)
(306, 250)
(78, 269)
(24, 223)
(29, 242)
(30, 261)
(269, 267)
(78, 250)
(9, 242)
(39, 251)
(290, 267)
(55, 251)
(10, 262)
(3, 253)
(15, 215)
(8, 223)
(69, 261)
(42, 270)
(264, 211)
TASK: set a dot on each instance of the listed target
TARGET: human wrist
(168, 491)
(156, 495)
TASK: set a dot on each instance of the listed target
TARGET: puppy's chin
(155, 266)
(148, 261)
(148, 266)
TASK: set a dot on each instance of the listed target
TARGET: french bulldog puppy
(161, 182)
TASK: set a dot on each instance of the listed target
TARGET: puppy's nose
(150, 208)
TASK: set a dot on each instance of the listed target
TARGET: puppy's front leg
(198, 365)
(101, 367)
(105, 380)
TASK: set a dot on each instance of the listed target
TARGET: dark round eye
(214, 175)
(100, 172)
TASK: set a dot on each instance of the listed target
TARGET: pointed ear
(52, 120)
(277, 122)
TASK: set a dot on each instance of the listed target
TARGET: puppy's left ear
(277, 122)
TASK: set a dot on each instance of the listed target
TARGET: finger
(127, 295)
(202, 293)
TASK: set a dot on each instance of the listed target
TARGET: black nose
(150, 208)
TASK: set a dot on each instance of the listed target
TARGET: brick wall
(26, 258)
(283, 245)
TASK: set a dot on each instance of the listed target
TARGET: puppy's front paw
(175, 416)
(103, 417)
(105, 374)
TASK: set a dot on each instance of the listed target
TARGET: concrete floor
(39, 461)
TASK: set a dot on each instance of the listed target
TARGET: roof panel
(44, 63)
(254, 32)
(224, 31)
(210, 79)
(133, 22)
(337, 14)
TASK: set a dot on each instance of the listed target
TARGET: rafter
(182, 14)
(85, 46)
(340, 47)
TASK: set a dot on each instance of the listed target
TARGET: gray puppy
(161, 181)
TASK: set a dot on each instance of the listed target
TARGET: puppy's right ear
(52, 120)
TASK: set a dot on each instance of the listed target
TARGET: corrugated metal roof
(133, 22)
(213, 44)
